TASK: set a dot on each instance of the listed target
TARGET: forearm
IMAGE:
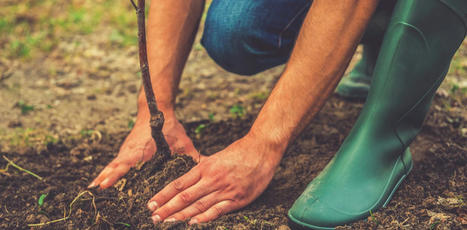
(172, 26)
(328, 38)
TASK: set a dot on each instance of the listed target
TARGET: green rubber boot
(356, 84)
(374, 159)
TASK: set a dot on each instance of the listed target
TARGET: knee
(232, 37)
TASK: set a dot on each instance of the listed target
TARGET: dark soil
(431, 197)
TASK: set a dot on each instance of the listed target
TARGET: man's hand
(140, 147)
(234, 177)
(221, 183)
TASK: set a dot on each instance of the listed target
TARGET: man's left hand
(221, 183)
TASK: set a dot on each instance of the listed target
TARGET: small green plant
(211, 117)
(66, 214)
(131, 124)
(19, 48)
(200, 128)
(25, 108)
(4, 25)
(237, 111)
(249, 221)
(86, 133)
(124, 224)
(454, 88)
(50, 140)
(40, 201)
(77, 15)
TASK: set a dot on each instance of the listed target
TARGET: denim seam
(279, 42)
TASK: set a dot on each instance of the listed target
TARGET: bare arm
(328, 39)
(172, 27)
(235, 176)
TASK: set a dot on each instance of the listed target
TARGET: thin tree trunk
(157, 117)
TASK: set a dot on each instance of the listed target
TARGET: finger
(182, 200)
(191, 151)
(195, 155)
(102, 175)
(114, 175)
(172, 189)
(213, 212)
(198, 207)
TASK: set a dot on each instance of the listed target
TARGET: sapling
(157, 117)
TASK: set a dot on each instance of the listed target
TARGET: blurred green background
(34, 27)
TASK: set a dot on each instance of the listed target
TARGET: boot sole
(406, 159)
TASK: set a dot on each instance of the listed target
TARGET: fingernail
(170, 220)
(92, 185)
(104, 183)
(152, 205)
(193, 221)
(156, 219)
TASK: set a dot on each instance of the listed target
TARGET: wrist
(166, 108)
(272, 149)
(144, 115)
(276, 139)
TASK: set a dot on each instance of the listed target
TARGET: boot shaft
(421, 40)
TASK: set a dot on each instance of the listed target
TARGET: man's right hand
(171, 30)
(140, 147)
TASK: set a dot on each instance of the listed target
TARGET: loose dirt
(431, 197)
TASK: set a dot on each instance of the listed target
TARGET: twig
(65, 215)
(157, 117)
(134, 5)
(10, 162)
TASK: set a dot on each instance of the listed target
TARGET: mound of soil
(431, 197)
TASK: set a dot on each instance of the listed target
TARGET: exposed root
(10, 162)
(68, 215)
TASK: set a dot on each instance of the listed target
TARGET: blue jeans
(249, 36)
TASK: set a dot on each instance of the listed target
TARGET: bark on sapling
(157, 117)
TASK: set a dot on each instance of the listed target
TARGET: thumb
(116, 174)
(148, 150)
